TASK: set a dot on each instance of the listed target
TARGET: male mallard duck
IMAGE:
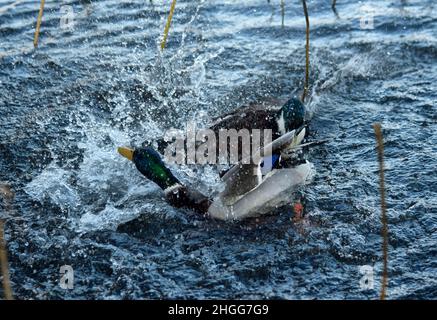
(281, 120)
(250, 189)
(255, 116)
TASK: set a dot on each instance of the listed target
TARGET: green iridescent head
(292, 114)
(150, 164)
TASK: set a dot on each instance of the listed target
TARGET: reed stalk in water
(38, 24)
(334, 2)
(4, 265)
(307, 52)
(167, 25)
(7, 196)
(380, 147)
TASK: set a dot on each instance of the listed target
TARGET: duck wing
(246, 175)
(252, 116)
(276, 190)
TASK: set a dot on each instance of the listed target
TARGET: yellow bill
(126, 152)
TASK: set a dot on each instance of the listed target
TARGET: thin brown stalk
(38, 24)
(167, 25)
(380, 147)
(4, 265)
(334, 2)
(307, 52)
(7, 195)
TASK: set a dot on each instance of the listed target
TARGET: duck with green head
(290, 116)
(148, 161)
(245, 194)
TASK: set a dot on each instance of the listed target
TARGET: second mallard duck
(250, 189)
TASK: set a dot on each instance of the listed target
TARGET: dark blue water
(102, 83)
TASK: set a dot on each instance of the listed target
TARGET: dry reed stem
(307, 51)
(38, 24)
(167, 25)
(380, 147)
(7, 195)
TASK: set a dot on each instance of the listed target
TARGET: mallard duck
(250, 189)
(288, 117)
(266, 115)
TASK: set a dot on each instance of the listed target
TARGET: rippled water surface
(102, 82)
